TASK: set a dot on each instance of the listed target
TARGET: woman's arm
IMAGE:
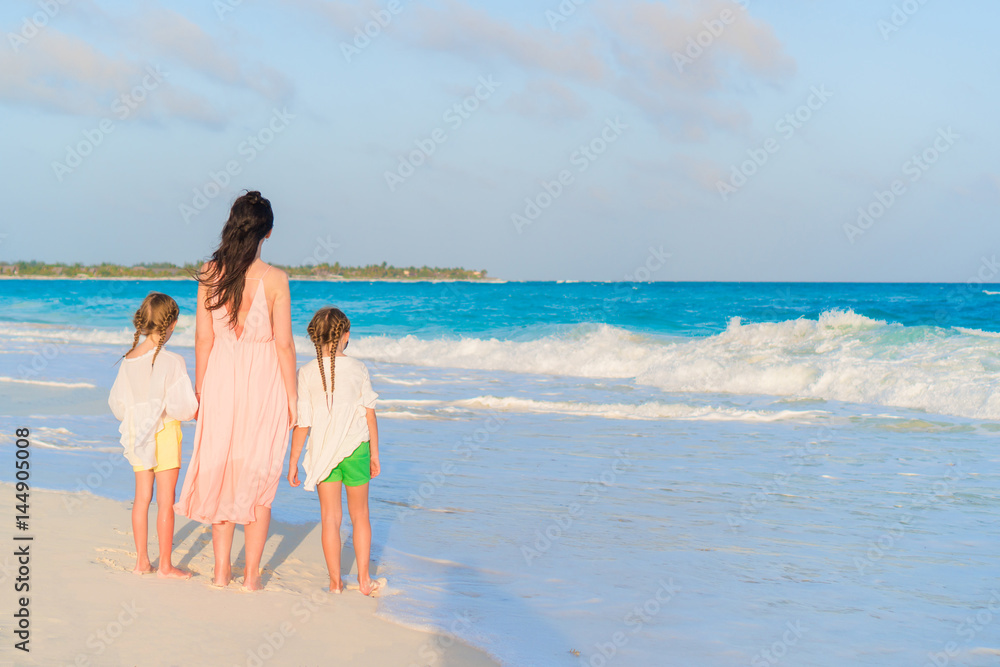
(376, 466)
(281, 324)
(204, 335)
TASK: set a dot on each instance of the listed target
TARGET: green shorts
(355, 470)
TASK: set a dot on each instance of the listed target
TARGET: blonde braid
(167, 318)
(335, 341)
(139, 321)
(161, 331)
(325, 330)
(319, 360)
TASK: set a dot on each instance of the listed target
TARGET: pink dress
(242, 433)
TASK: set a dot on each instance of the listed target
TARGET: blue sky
(117, 117)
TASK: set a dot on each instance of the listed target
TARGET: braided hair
(250, 220)
(325, 330)
(157, 314)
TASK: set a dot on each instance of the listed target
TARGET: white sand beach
(87, 608)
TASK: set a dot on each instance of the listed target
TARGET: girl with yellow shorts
(152, 394)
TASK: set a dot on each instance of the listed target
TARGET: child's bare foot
(143, 568)
(173, 573)
(369, 587)
(337, 586)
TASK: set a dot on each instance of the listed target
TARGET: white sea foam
(652, 410)
(37, 336)
(405, 414)
(978, 332)
(841, 356)
(42, 333)
(49, 383)
(405, 383)
(645, 411)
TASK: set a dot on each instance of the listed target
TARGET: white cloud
(168, 34)
(63, 72)
(549, 99)
(626, 47)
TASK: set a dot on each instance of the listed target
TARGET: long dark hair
(250, 220)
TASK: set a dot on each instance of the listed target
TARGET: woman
(245, 382)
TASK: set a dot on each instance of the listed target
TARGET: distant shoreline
(298, 278)
(323, 272)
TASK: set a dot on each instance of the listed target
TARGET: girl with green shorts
(336, 424)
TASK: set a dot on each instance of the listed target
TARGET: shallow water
(637, 485)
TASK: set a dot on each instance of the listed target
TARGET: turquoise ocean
(603, 474)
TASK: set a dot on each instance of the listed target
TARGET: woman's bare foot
(337, 586)
(172, 572)
(370, 587)
(143, 567)
(252, 582)
(223, 581)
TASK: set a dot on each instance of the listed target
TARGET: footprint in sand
(115, 551)
(111, 565)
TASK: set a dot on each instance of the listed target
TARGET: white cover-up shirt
(144, 396)
(338, 421)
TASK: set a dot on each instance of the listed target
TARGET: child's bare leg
(140, 520)
(357, 506)
(222, 545)
(166, 485)
(256, 536)
(331, 513)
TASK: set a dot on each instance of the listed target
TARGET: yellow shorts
(168, 447)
